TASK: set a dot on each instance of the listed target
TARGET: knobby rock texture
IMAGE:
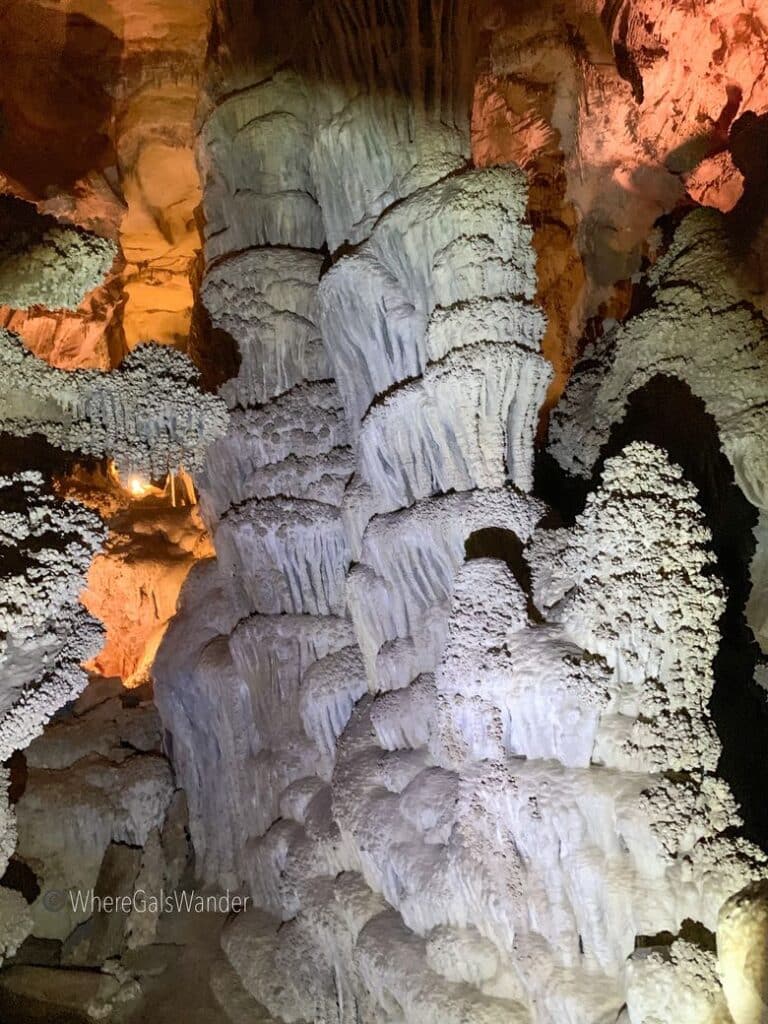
(465, 685)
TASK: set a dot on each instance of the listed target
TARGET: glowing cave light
(137, 486)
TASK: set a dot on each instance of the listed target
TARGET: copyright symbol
(54, 900)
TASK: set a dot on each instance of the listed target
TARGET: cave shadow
(505, 546)
(749, 151)
(35, 453)
(57, 88)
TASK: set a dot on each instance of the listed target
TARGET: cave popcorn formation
(464, 752)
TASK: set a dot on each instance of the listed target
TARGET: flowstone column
(429, 329)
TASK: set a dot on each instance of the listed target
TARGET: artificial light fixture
(137, 486)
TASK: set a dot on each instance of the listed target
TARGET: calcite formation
(59, 287)
(265, 299)
(94, 779)
(46, 548)
(149, 415)
(150, 418)
(463, 763)
(98, 818)
(698, 327)
(680, 335)
(411, 871)
(742, 938)
(463, 748)
(44, 263)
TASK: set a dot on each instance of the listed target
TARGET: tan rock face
(133, 584)
(133, 589)
(98, 108)
(165, 43)
(616, 123)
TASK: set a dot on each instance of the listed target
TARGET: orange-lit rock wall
(155, 537)
(134, 584)
(89, 337)
(98, 100)
(620, 112)
(164, 50)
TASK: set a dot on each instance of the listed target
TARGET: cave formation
(384, 512)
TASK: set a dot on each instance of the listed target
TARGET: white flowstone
(472, 799)
(449, 254)
(468, 422)
(403, 582)
(504, 689)
(632, 583)
(295, 446)
(719, 347)
(209, 722)
(701, 329)
(330, 689)
(148, 415)
(285, 555)
(254, 152)
(512, 864)
(366, 156)
(266, 300)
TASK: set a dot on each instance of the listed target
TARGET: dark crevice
(17, 766)
(20, 877)
(690, 931)
(35, 453)
(505, 546)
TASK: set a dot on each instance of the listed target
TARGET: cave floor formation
(383, 512)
